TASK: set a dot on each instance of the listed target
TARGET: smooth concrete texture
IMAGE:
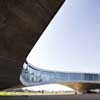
(55, 97)
(82, 87)
(21, 24)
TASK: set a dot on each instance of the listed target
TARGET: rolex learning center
(32, 76)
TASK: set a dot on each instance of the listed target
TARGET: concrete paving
(55, 97)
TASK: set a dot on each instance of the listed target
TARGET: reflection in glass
(33, 75)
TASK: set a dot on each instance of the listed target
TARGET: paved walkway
(55, 97)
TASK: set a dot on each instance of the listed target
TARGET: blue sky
(71, 42)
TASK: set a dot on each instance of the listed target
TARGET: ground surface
(55, 97)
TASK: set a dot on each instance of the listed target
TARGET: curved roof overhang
(21, 24)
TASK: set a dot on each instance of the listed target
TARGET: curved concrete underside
(21, 24)
(82, 87)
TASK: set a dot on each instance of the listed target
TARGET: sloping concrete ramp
(21, 24)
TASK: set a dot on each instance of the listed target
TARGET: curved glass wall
(33, 76)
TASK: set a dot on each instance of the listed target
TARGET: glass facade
(92, 77)
(34, 76)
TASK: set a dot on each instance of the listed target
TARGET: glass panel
(74, 76)
(91, 77)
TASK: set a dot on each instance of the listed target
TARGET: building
(83, 82)
(21, 25)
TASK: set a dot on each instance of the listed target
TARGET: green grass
(4, 93)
